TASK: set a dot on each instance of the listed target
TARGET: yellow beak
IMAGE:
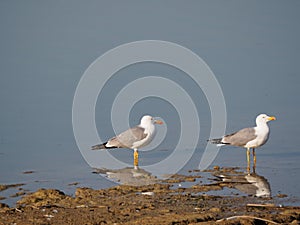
(158, 122)
(272, 118)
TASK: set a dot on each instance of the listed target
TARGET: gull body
(251, 137)
(133, 138)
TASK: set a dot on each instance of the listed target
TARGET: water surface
(252, 48)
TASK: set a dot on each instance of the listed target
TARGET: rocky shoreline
(158, 203)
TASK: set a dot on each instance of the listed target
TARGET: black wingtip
(97, 147)
(216, 141)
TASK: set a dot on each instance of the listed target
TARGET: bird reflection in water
(251, 184)
(134, 176)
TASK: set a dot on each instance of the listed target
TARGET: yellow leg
(254, 159)
(248, 160)
(136, 157)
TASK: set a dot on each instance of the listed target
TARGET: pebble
(150, 193)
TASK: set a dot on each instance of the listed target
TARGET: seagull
(133, 138)
(248, 138)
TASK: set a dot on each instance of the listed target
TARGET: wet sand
(164, 202)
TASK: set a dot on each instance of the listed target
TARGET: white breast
(262, 135)
(150, 131)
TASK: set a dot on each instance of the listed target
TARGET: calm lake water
(251, 47)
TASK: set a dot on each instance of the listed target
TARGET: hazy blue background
(251, 46)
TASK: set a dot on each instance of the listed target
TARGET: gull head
(147, 120)
(263, 118)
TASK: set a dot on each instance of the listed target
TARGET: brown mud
(158, 203)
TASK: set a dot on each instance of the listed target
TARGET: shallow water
(252, 48)
(281, 173)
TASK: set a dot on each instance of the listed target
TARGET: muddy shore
(158, 203)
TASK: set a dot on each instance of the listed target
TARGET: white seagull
(248, 138)
(133, 138)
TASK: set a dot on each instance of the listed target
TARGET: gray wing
(240, 138)
(127, 138)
